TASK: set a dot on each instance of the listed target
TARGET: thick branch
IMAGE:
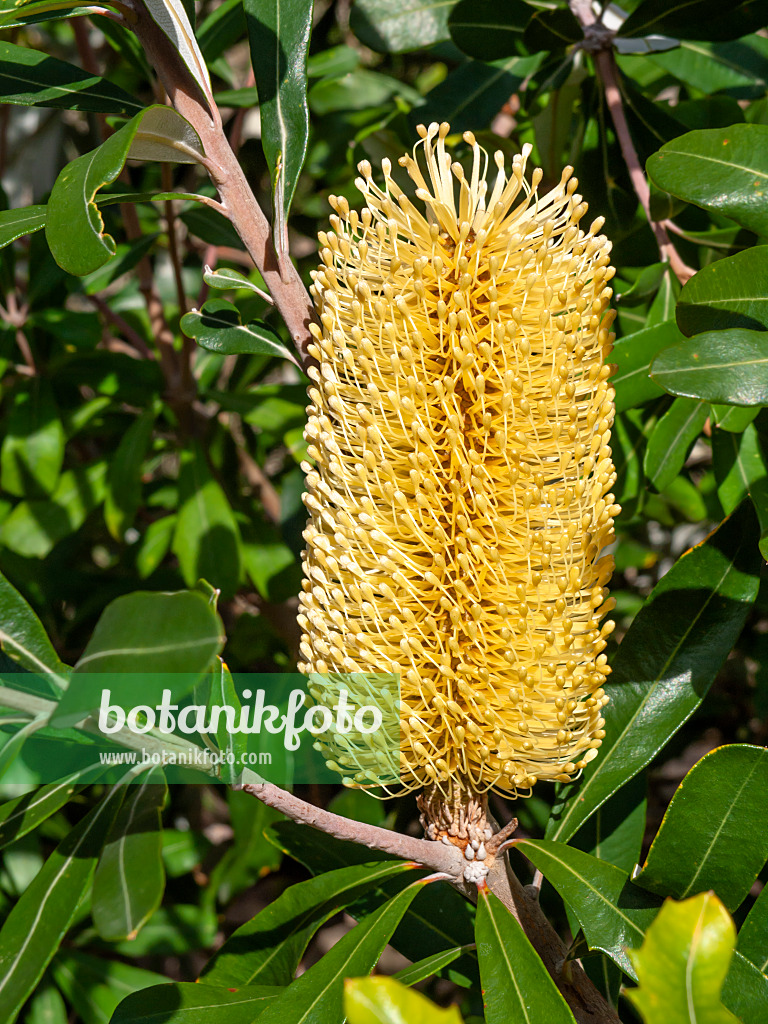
(281, 277)
(598, 42)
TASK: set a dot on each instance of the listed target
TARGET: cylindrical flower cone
(460, 494)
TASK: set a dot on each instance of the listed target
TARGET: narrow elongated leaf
(23, 638)
(734, 418)
(694, 19)
(217, 327)
(316, 997)
(278, 32)
(39, 920)
(185, 1003)
(516, 984)
(728, 293)
(233, 745)
(683, 962)
(267, 949)
(47, 1007)
(397, 26)
(16, 223)
(124, 474)
(222, 28)
(94, 985)
(429, 966)
(745, 992)
(741, 471)
(33, 79)
(172, 18)
(130, 880)
(74, 228)
(721, 169)
(486, 30)
(633, 356)
(672, 439)
(616, 830)
(33, 447)
(25, 813)
(207, 539)
(224, 278)
(385, 1001)
(667, 661)
(729, 367)
(753, 934)
(707, 839)
(611, 910)
(713, 67)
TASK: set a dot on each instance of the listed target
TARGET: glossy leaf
(725, 170)
(729, 367)
(23, 638)
(728, 293)
(682, 964)
(129, 881)
(123, 494)
(644, 287)
(745, 992)
(694, 19)
(217, 327)
(194, 1003)
(233, 744)
(516, 984)
(707, 839)
(40, 919)
(17, 223)
(616, 830)
(671, 440)
(33, 78)
(397, 26)
(25, 813)
(316, 996)
(633, 356)
(94, 985)
(172, 19)
(611, 910)
(734, 418)
(711, 67)
(667, 661)
(753, 934)
(223, 278)
(552, 29)
(206, 540)
(741, 471)
(267, 949)
(384, 1000)
(429, 966)
(74, 228)
(488, 30)
(278, 32)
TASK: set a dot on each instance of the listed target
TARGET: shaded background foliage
(146, 444)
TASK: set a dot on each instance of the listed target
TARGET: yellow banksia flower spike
(460, 498)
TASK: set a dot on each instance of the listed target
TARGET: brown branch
(128, 332)
(281, 277)
(598, 42)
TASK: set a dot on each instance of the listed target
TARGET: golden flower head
(459, 500)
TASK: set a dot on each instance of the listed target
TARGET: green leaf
(694, 19)
(489, 30)
(397, 26)
(728, 367)
(267, 950)
(130, 880)
(611, 910)
(724, 170)
(633, 356)
(194, 1003)
(316, 996)
(31, 78)
(645, 285)
(23, 638)
(40, 919)
(728, 293)
(385, 1001)
(172, 19)
(429, 966)
(707, 839)
(206, 540)
(94, 986)
(734, 418)
(223, 278)
(47, 1007)
(154, 545)
(123, 490)
(753, 934)
(741, 471)
(232, 744)
(683, 962)
(667, 661)
(712, 67)
(516, 984)
(552, 30)
(222, 28)
(33, 447)
(16, 223)
(671, 440)
(25, 813)
(745, 992)
(616, 830)
(278, 32)
(217, 327)
(74, 228)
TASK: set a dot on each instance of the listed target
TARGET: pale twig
(598, 42)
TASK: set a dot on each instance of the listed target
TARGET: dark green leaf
(40, 919)
(741, 471)
(552, 30)
(644, 286)
(429, 966)
(31, 78)
(671, 440)
(16, 223)
(722, 169)
(33, 447)
(217, 327)
(74, 228)
(489, 30)
(47, 1007)
(753, 934)
(633, 356)
(729, 293)
(516, 984)
(187, 1003)
(278, 31)
(728, 367)
(695, 19)
(94, 986)
(707, 839)
(25, 813)
(739, 66)
(667, 661)
(616, 830)
(397, 26)
(23, 638)
(734, 418)
(222, 28)
(123, 494)
(612, 912)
